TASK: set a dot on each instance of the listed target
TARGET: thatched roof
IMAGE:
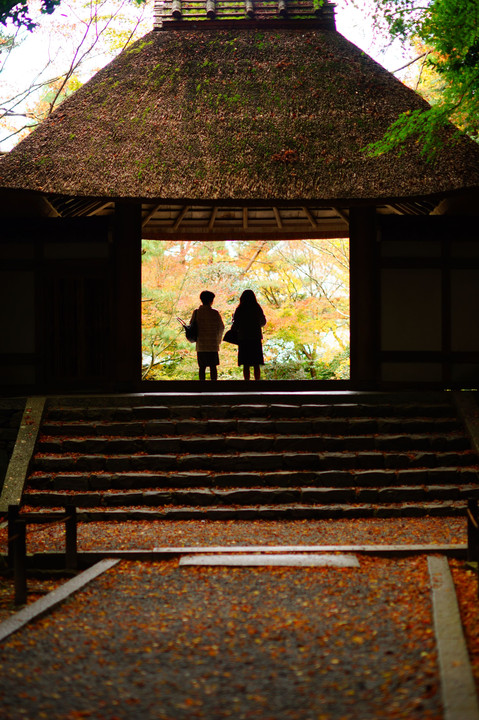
(234, 114)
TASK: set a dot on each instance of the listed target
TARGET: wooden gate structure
(235, 120)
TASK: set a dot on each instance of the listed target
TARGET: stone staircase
(214, 455)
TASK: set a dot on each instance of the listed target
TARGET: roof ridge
(249, 12)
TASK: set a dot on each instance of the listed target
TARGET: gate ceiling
(161, 220)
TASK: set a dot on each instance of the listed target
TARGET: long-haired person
(248, 319)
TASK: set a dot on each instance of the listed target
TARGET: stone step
(300, 408)
(334, 478)
(225, 455)
(252, 443)
(259, 461)
(212, 426)
(253, 496)
(236, 392)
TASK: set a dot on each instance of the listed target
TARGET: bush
(290, 370)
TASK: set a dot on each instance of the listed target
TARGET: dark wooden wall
(71, 302)
(428, 300)
(56, 285)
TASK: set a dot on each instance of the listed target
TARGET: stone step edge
(248, 411)
(260, 476)
(284, 397)
(379, 424)
(270, 513)
(254, 461)
(97, 482)
(431, 437)
(251, 496)
(259, 445)
(73, 456)
(219, 398)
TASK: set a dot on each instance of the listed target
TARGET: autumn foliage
(302, 286)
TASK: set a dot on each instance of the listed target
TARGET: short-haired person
(210, 333)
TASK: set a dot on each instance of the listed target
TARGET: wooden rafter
(148, 217)
(277, 215)
(180, 217)
(342, 214)
(212, 217)
(52, 207)
(310, 217)
(231, 220)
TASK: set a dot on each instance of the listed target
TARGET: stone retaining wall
(11, 411)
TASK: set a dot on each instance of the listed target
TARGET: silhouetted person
(210, 332)
(248, 319)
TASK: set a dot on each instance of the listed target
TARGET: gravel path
(169, 643)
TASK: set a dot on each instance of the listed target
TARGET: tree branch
(403, 67)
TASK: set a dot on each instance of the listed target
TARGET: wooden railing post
(473, 535)
(472, 530)
(12, 519)
(71, 560)
(17, 545)
(211, 9)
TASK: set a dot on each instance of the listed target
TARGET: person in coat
(210, 333)
(248, 319)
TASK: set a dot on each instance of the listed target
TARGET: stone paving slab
(267, 560)
(457, 682)
(49, 602)
(19, 464)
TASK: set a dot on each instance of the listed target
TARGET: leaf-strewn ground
(147, 535)
(173, 643)
(154, 640)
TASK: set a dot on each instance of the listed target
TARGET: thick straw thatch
(234, 114)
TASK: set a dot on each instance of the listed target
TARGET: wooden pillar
(364, 297)
(127, 284)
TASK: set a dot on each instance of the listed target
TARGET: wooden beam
(127, 300)
(364, 298)
(245, 218)
(250, 234)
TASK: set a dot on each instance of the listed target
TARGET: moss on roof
(234, 115)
